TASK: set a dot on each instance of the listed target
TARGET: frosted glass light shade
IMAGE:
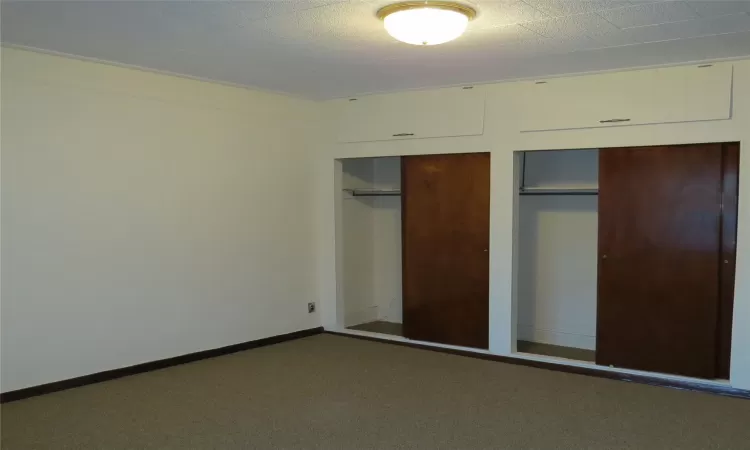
(426, 24)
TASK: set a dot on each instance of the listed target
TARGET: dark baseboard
(149, 366)
(641, 379)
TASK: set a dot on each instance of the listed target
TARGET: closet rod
(557, 191)
(373, 192)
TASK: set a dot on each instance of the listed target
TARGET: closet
(626, 256)
(557, 253)
(416, 247)
(371, 244)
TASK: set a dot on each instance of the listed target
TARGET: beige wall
(146, 216)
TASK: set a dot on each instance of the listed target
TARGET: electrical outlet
(311, 307)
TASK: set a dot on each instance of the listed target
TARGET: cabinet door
(413, 115)
(446, 218)
(678, 94)
(659, 249)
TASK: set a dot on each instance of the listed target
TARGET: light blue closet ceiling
(331, 48)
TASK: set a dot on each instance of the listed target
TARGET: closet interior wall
(557, 248)
(371, 282)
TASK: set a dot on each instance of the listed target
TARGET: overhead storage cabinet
(679, 94)
(413, 115)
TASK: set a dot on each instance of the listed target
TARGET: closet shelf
(373, 192)
(558, 191)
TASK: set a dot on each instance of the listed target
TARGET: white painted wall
(146, 216)
(561, 169)
(502, 137)
(557, 251)
(558, 270)
(358, 252)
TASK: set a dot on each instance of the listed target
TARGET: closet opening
(557, 253)
(415, 241)
(625, 257)
(371, 221)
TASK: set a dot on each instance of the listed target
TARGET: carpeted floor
(332, 392)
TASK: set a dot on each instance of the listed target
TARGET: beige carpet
(331, 392)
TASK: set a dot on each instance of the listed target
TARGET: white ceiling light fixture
(426, 22)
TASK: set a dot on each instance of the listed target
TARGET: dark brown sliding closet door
(659, 251)
(446, 216)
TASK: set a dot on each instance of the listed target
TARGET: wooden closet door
(446, 217)
(659, 250)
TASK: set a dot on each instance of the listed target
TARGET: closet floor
(557, 351)
(380, 326)
(396, 329)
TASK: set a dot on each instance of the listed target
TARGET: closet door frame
(728, 256)
(505, 176)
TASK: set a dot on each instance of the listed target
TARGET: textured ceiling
(337, 48)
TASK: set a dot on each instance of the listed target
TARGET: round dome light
(426, 22)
